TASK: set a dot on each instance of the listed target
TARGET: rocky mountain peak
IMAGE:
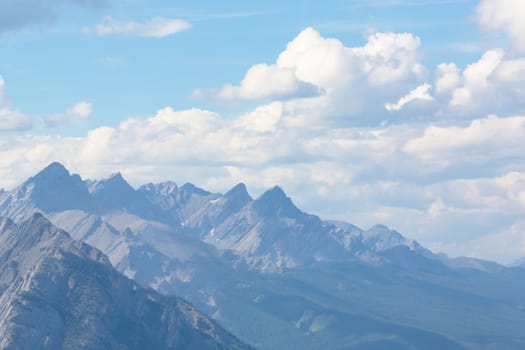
(275, 202)
(114, 183)
(53, 170)
(52, 189)
(192, 189)
(165, 188)
(55, 175)
(240, 192)
(380, 237)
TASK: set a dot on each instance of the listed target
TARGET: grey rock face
(57, 293)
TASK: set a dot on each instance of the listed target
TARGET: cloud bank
(404, 175)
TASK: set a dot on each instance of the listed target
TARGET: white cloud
(476, 77)
(421, 93)
(157, 27)
(316, 60)
(512, 72)
(448, 77)
(321, 79)
(493, 84)
(437, 208)
(262, 119)
(348, 85)
(81, 111)
(331, 78)
(504, 15)
(503, 194)
(11, 119)
(390, 58)
(386, 58)
(490, 137)
(263, 81)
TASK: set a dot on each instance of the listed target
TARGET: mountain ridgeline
(279, 278)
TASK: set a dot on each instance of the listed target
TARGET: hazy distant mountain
(57, 293)
(271, 233)
(52, 189)
(280, 278)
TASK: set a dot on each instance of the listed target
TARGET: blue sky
(57, 59)
(403, 112)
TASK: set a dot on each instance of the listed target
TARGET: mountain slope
(61, 293)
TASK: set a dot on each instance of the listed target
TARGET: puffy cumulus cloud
(18, 14)
(493, 84)
(421, 93)
(475, 78)
(263, 119)
(158, 27)
(186, 138)
(321, 80)
(483, 140)
(437, 208)
(448, 77)
(324, 76)
(263, 81)
(316, 60)
(81, 111)
(389, 58)
(11, 119)
(250, 142)
(386, 58)
(504, 15)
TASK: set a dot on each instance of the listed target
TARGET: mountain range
(276, 277)
(58, 293)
